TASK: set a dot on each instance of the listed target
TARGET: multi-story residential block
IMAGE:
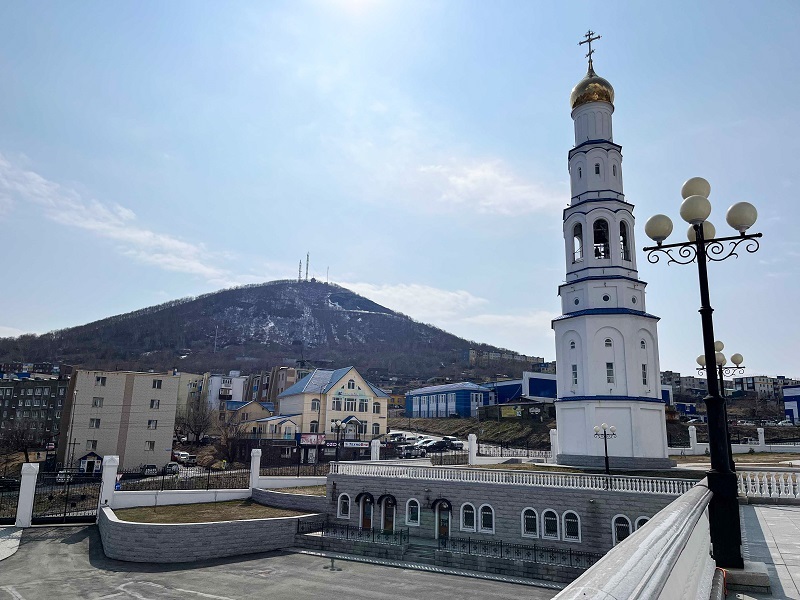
(256, 388)
(126, 413)
(281, 379)
(190, 388)
(33, 405)
(219, 389)
(765, 386)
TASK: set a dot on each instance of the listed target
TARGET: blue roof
(274, 418)
(270, 406)
(322, 380)
(235, 404)
(449, 387)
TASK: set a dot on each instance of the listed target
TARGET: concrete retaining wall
(178, 543)
(317, 504)
(166, 497)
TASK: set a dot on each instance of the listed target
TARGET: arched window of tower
(601, 249)
(624, 246)
(572, 345)
(614, 170)
(597, 168)
(643, 345)
(577, 243)
(609, 343)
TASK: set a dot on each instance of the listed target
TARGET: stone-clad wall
(157, 543)
(596, 508)
(317, 504)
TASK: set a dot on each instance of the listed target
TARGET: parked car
(453, 443)
(191, 460)
(149, 470)
(786, 423)
(171, 468)
(50, 446)
(181, 457)
(436, 446)
(7, 484)
(63, 477)
(410, 451)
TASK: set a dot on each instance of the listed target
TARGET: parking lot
(68, 563)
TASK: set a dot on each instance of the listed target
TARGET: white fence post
(27, 491)
(255, 467)
(375, 449)
(553, 446)
(110, 467)
(472, 445)
(761, 440)
(692, 439)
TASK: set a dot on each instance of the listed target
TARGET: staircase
(420, 553)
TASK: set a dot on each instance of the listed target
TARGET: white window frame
(94, 423)
(522, 522)
(644, 373)
(339, 513)
(610, 375)
(614, 540)
(152, 424)
(150, 446)
(91, 444)
(474, 517)
(155, 404)
(564, 527)
(97, 402)
(481, 528)
(574, 374)
(376, 429)
(544, 535)
(409, 522)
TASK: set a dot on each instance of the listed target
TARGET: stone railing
(666, 558)
(782, 485)
(641, 485)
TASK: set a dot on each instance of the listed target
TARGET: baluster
(774, 484)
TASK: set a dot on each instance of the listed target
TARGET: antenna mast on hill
(328, 275)
(308, 254)
(300, 271)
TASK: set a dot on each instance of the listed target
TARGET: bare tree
(196, 418)
(18, 436)
(231, 431)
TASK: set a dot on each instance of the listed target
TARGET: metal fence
(66, 496)
(536, 554)
(9, 495)
(448, 458)
(297, 470)
(357, 534)
(503, 450)
(189, 478)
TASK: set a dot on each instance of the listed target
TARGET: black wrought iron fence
(449, 458)
(524, 552)
(186, 478)
(339, 531)
(296, 470)
(9, 495)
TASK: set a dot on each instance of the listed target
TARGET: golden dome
(591, 88)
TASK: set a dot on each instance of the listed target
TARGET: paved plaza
(68, 563)
(772, 536)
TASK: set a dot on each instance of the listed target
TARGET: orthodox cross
(589, 39)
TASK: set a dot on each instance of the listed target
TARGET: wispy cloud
(421, 302)
(66, 206)
(10, 331)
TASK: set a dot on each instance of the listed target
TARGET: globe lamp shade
(613, 429)
(695, 209)
(696, 186)
(701, 360)
(658, 228)
(721, 360)
(719, 346)
(709, 232)
(604, 426)
(597, 429)
(741, 216)
(737, 359)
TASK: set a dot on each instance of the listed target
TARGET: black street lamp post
(605, 432)
(337, 426)
(703, 247)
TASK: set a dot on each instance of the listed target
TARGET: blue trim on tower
(580, 204)
(605, 311)
(589, 142)
(597, 192)
(606, 398)
(602, 278)
(606, 267)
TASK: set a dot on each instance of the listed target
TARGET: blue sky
(156, 150)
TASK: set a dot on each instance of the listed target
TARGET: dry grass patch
(233, 510)
(310, 490)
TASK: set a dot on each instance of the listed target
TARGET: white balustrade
(769, 484)
(646, 485)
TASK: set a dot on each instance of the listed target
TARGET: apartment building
(126, 413)
(224, 388)
(34, 405)
(281, 379)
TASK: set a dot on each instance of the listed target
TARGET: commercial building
(128, 414)
(450, 400)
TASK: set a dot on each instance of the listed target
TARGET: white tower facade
(606, 342)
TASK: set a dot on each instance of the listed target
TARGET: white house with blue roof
(342, 397)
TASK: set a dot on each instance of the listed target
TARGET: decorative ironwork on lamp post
(337, 426)
(605, 432)
(703, 247)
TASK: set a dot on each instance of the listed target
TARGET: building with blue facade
(453, 399)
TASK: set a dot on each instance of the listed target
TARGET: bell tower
(606, 343)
